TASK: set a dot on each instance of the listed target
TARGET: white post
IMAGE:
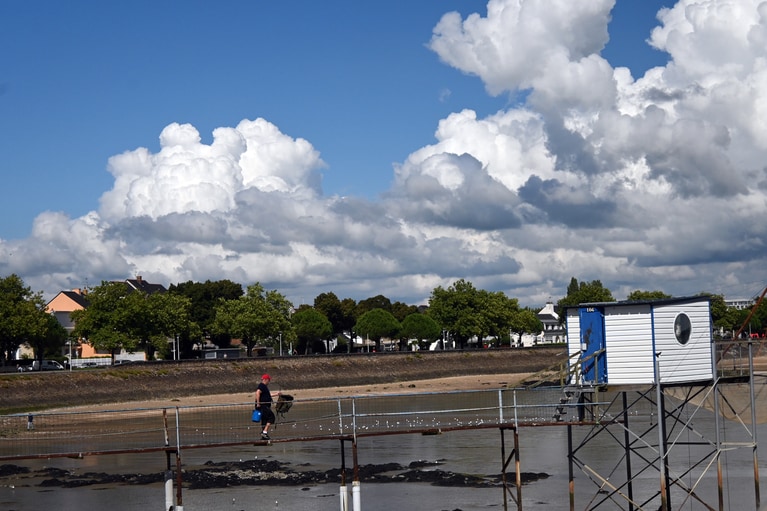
(179, 506)
(169, 502)
(356, 496)
(344, 495)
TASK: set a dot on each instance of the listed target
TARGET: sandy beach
(469, 382)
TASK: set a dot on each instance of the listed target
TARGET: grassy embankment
(145, 381)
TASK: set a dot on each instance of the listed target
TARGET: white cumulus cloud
(649, 182)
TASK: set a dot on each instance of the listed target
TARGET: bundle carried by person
(284, 404)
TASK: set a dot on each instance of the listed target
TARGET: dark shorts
(267, 415)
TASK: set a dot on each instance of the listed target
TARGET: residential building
(739, 303)
(553, 330)
(62, 306)
(66, 302)
(139, 284)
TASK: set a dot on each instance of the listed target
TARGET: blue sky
(89, 80)
(86, 82)
(365, 85)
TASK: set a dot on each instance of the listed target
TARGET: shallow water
(542, 449)
(465, 452)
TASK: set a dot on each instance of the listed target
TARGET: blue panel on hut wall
(593, 357)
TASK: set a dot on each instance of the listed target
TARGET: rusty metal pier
(649, 432)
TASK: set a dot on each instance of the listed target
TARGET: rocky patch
(214, 475)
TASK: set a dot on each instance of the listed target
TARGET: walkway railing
(79, 433)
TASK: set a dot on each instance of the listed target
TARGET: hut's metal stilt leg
(570, 475)
(506, 461)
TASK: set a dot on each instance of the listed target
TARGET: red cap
(266, 377)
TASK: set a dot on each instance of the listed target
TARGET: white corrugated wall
(689, 362)
(573, 332)
(628, 333)
(573, 324)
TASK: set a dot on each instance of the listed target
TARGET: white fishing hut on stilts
(620, 342)
(645, 348)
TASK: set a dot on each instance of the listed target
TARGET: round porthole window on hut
(682, 328)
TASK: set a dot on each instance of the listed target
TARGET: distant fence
(77, 434)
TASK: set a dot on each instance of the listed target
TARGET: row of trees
(725, 319)
(118, 317)
(192, 313)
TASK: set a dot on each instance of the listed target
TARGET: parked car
(47, 365)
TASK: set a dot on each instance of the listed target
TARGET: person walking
(264, 405)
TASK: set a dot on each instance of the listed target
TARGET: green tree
(312, 329)
(204, 296)
(48, 336)
(258, 316)
(376, 324)
(583, 292)
(25, 320)
(349, 319)
(106, 323)
(526, 322)
(155, 320)
(171, 317)
(140, 322)
(402, 310)
(329, 305)
(500, 313)
(420, 327)
(721, 315)
(284, 308)
(22, 316)
(748, 321)
(459, 309)
(729, 321)
(375, 302)
(120, 318)
(641, 296)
